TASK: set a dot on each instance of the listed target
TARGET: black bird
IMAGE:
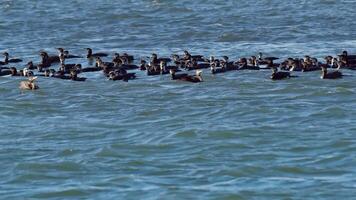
(5, 72)
(156, 61)
(188, 56)
(12, 60)
(143, 65)
(74, 76)
(79, 68)
(243, 65)
(14, 71)
(276, 75)
(121, 74)
(45, 61)
(215, 69)
(185, 77)
(66, 54)
(346, 55)
(90, 54)
(331, 75)
(31, 66)
(124, 58)
(48, 60)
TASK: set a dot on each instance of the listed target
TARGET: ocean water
(237, 135)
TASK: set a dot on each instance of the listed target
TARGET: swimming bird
(347, 61)
(253, 61)
(12, 60)
(29, 84)
(178, 61)
(156, 61)
(335, 63)
(50, 59)
(188, 56)
(270, 63)
(101, 65)
(126, 66)
(5, 72)
(194, 65)
(44, 64)
(243, 65)
(62, 57)
(328, 60)
(331, 75)
(66, 53)
(74, 76)
(124, 58)
(90, 54)
(215, 69)
(157, 69)
(46, 61)
(296, 65)
(189, 78)
(31, 66)
(66, 68)
(143, 65)
(346, 55)
(313, 65)
(59, 74)
(79, 68)
(227, 65)
(190, 64)
(261, 60)
(276, 75)
(121, 74)
(14, 72)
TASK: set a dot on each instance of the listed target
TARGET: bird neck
(6, 58)
(90, 53)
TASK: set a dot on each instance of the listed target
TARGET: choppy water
(237, 135)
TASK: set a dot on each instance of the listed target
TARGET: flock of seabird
(174, 66)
